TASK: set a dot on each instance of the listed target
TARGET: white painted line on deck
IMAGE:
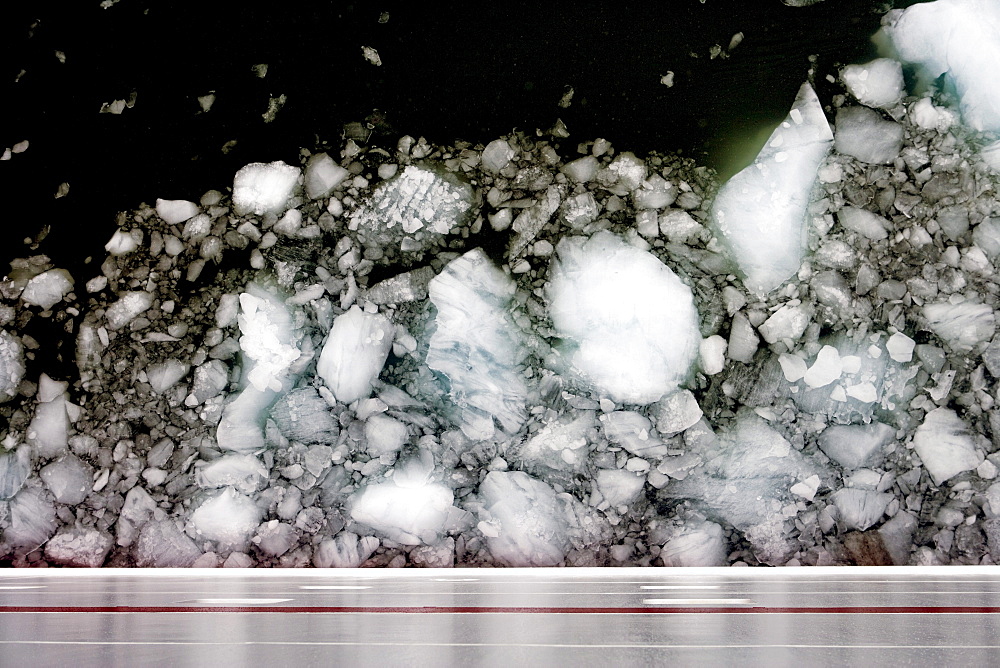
(237, 601)
(696, 601)
(334, 587)
(679, 587)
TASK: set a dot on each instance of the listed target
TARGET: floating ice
(562, 445)
(676, 412)
(11, 365)
(827, 368)
(633, 432)
(712, 354)
(228, 518)
(139, 508)
(384, 434)
(630, 325)
(345, 550)
(245, 473)
(175, 211)
(31, 520)
(788, 322)
(86, 547)
(410, 286)
(162, 545)
(615, 487)
(697, 544)
(957, 38)
(323, 175)
(354, 353)
(261, 188)
(945, 445)
(856, 446)
(900, 347)
(69, 479)
(164, 375)
(878, 83)
(497, 155)
(48, 288)
(863, 134)
(963, 326)
(268, 338)
(241, 426)
(407, 515)
(127, 308)
(48, 432)
(865, 223)
(476, 346)
(760, 213)
(303, 415)
(524, 518)
(860, 508)
(15, 467)
(210, 379)
(275, 538)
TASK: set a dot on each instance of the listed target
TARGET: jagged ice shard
(760, 213)
(629, 323)
(957, 38)
(475, 346)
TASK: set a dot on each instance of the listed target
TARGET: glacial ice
(175, 211)
(228, 518)
(127, 308)
(945, 445)
(562, 445)
(260, 188)
(863, 134)
(241, 426)
(957, 38)
(48, 432)
(615, 487)
(760, 212)
(477, 348)
(878, 83)
(629, 323)
(11, 365)
(48, 288)
(354, 353)
(164, 375)
(407, 515)
(384, 434)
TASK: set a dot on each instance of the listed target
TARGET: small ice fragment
(127, 308)
(497, 155)
(825, 369)
(900, 347)
(696, 545)
(48, 288)
(162, 545)
(371, 55)
(164, 375)
(69, 479)
(384, 435)
(865, 223)
(407, 515)
(323, 175)
(863, 134)
(806, 488)
(788, 322)
(676, 412)
(11, 365)
(175, 211)
(863, 392)
(712, 354)
(792, 366)
(856, 446)
(345, 550)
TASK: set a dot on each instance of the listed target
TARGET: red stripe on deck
(851, 610)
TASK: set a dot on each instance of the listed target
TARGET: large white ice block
(261, 188)
(354, 353)
(760, 213)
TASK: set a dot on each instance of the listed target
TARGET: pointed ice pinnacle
(761, 212)
(475, 346)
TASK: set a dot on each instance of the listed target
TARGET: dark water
(452, 70)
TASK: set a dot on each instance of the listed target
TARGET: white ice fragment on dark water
(323, 175)
(497, 155)
(354, 353)
(963, 326)
(48, 288)
(11, 365)
(127, 308)
(760, 212)
(175, 211)
(371, 55)
(261, 188)
(477, 346)
(878, 83)
(788, 322)
(696, 544)
(900, 347)
(957, 38)
(228, 518)
(630, 324)
(867, 224)
(407, 515)
(123, 242)
(863, 134)
(827, 368)
(945, 445)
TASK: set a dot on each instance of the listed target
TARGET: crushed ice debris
(760, 213)
(630, 325)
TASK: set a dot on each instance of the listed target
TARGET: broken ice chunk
(345, 550)
(86, 547)
(629, 323)
(743, 340)
(31, 519)
(48, 432)
(900, 347)
(696, 544)
(210, 379)
(477, 346)
(241, 426)
(827, 368)
(807, 488)
(407, 515)
(127, 308)
(860, 508)
(15, 467)
(402, 288)
(268, 338)
(712, 354)
(561, 445)
(384, 435)
(162, 545)
(245, 473)
(175, 211)
(676, 412)
(69, 479)
(303, 415)
(957, 38)
(526, 519)
(323, 175)
(228, 518)
(760, 213)
(261, 188)
(581, 170)
(632, 432)
(616, 487)
(497, 155)
(945, 445)
(897, 536)
(878, 83)
(275, 538)
(11, 365)
(354, 353)
(164, 375)
(863, 134)
(867, 224)
(963, 326)
(856, 446)
(48, 288)
(788, 322)
(793, 367)
(530, 221)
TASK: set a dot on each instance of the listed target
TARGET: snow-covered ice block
(11, 365)
(865, 223)
(863, 134)
(384, 434)
(928, 116)
(228, 518)
(261, 188)
(323, 175)
(760, 212)
(268, 338)
(697, 544)
(245, 473)
(162, 545)
(354, 353)
(957, 38)
(407, 515)
(857, 445)
(420, 203)
(345, 550)
(629, 323)
(69, 479)
(303, 415)
(561, 445)
(15, 467)
(175, 211)
(615, 487)
(525, 524)
(477, 346)
(86, 547)
(860, 508)
(48, 288)
(31, 520)
(164, 375)
(878, 83)
(127, 308)
(945, 445)
(634, 433)
(963, 326)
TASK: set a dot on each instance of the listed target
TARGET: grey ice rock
(760, 213)
(413, 210)
(303, 415)
(697, 544)
(69, 479)
(245, 473)
(48, 288)
(11, 365)
(15, 467)
(164, 375)
(860, 508)
(31, 520)
(629, 323)
(945, 445)
(407, 515)
(634, 433)
(127, 308)
(865, 223)
(48, 433)
(476, 346)
(863, 134)
(856, 446)
(957, 38)
(243, 418)
(878, 83)
(162, 545)
(345, 550)
(384, 434)
(354, 353)
(228, 518)
(261, 188)
(86, 547)
(323, 175)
